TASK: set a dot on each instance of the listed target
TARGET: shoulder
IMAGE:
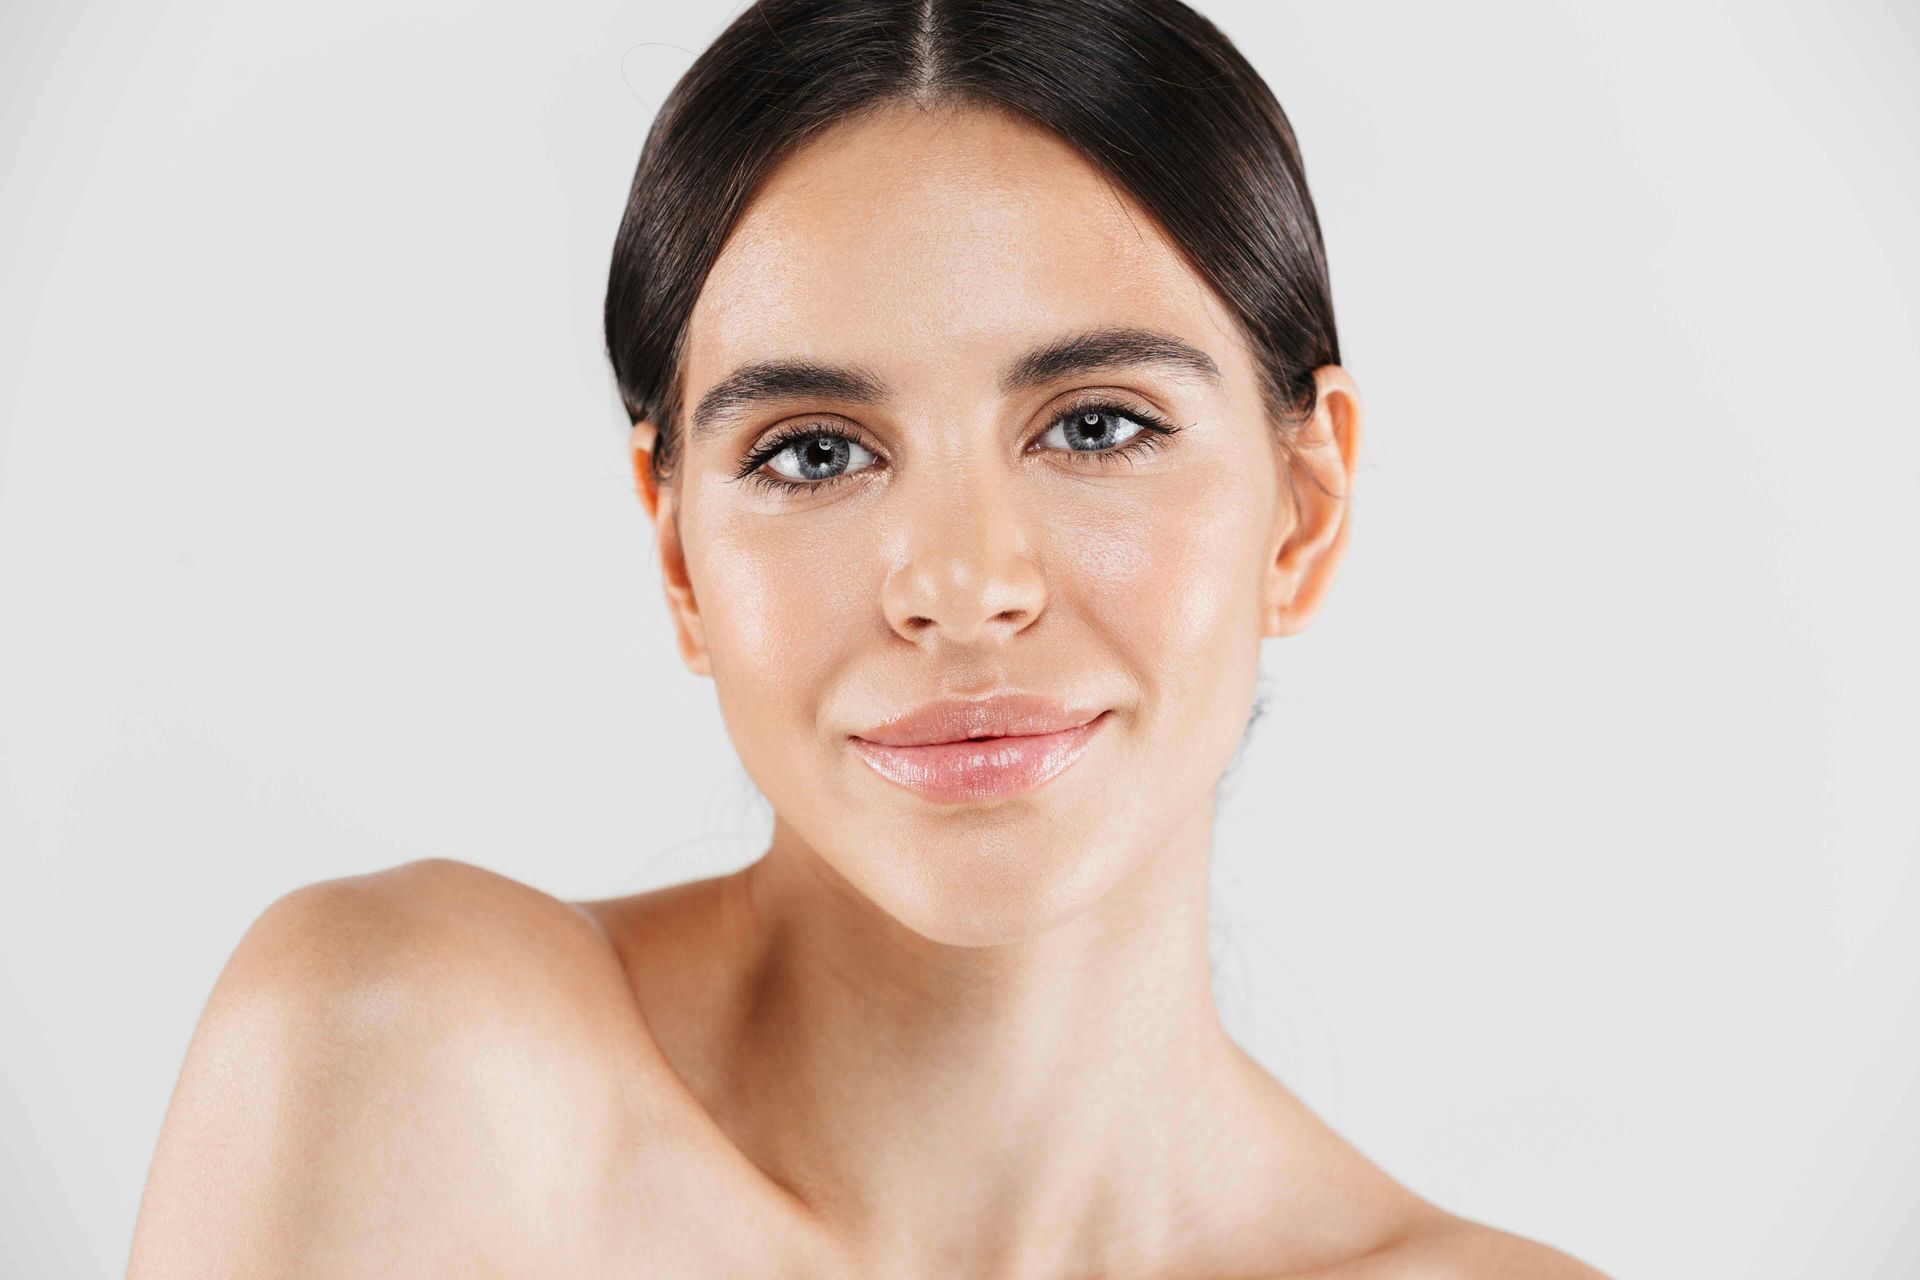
(435, 919)
(425, 956)
(388, 1057)
(1447, 1247)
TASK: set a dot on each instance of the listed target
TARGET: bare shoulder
(427, 955)
(388, 1062)
(1447, 1247)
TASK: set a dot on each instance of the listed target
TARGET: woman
(987, 401)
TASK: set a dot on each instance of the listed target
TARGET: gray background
(1571, 873)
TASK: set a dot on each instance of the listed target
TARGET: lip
(1004, 715)
(978, 750)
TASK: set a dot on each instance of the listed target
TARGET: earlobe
(1312, 535)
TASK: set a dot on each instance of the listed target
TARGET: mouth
(980, 768)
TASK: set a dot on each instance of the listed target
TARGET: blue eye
(821, 456)
(1095, 429)
(818, 456)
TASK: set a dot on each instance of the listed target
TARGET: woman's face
(960, 526)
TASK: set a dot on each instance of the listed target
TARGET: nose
(969, 575)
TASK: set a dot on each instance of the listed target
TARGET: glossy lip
(958, 719)
(960, 751)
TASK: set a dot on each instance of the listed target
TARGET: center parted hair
(1151, 93)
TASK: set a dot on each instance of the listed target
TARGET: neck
(1042, 1104)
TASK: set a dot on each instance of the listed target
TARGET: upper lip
(958, 719)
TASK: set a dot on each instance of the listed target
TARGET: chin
(989, 877)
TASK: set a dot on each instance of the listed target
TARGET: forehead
(929, 246)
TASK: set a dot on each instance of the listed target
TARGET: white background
(1570, 874)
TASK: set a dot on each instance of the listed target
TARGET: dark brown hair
(1150, 92)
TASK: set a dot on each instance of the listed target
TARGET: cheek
(777, 605)
(1172, 580)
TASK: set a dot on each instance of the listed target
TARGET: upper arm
(388, 1074)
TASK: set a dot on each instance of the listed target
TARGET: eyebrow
(1095, 349)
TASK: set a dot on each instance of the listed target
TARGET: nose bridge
(969, 567)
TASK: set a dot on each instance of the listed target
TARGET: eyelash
(1152, 435)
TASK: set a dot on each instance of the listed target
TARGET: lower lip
(983, 768)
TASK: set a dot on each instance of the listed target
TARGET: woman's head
(972, 348)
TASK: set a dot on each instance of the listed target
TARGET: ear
(1311, 534)
(662, 506)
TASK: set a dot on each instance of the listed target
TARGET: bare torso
(438, 1070)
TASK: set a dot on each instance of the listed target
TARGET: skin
(910, 1039)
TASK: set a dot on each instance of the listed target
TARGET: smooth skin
(912, 1039)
